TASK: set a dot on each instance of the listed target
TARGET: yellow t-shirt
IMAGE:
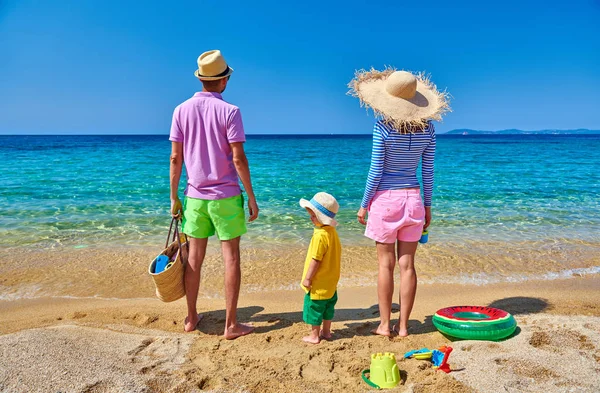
(325, 247)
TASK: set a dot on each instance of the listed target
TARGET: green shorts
(315, 311)
(203, 217)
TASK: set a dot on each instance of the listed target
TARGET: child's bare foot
(400, 332)
(311, 339)
(326, 335)
(381, 331)
(238, 330)
(191, 325)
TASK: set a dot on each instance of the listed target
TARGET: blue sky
(89, 67)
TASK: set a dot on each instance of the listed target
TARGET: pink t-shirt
(207, 125)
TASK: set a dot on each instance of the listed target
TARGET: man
(207, 134)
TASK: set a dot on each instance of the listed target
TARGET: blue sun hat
(324, 206)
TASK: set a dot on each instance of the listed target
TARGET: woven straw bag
(169, 283)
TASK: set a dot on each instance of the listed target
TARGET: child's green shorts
(315, 311)
(203, 217)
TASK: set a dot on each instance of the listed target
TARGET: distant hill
(466, 131)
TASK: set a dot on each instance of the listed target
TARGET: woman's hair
(412, 128)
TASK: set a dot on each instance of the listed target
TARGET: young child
(322, 267)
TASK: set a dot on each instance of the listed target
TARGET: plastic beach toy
(474, 322)
(161, 263)
(421, 354)
(440, 359)
(424, 237)
(384, 372)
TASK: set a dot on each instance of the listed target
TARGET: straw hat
(212, 66)
(324, 206)
(400, 98)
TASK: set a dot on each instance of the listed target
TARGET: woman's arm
(376, 169)
(427, 171)
(427, 167)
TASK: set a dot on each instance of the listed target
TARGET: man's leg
(192, 280)
(231, 257)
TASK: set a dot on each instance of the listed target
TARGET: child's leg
(326, 332)
(314, 337)
(312, 315)
(328, 316)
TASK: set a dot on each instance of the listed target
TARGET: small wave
(477, 279)
(483, 278)
(35, 292)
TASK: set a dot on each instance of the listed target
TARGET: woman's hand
(361, 215)
(427, 217)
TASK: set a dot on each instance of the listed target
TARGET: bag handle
(368, 382)
(174, 220)
(175, 230)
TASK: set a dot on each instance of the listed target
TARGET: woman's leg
(408, 283)
(385, 285)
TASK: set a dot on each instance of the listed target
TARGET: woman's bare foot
(311, 339)
(381, 331)
(400, 332)
(191, 325)
(238, 330)
(326, 335)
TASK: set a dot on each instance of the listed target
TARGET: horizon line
(576, 131)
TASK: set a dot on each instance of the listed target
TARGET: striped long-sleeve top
(395, 158)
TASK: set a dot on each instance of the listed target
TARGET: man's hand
(176, 208)
(307, 283)
(427, 217)
(253, 209)
(361, 215)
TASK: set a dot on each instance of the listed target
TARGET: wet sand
(122, 272)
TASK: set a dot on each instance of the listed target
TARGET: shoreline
(114, 272)
(146, 342)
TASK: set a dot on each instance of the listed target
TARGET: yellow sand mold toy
(384, 372)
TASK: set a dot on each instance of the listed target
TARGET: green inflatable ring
(475, 322)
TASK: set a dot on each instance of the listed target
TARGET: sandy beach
(470, 128)
(92, 325)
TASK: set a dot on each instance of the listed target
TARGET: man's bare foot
(191, 325)
(326, 335)
(400, 333)
(381, 331)
(238, 330)
(311, 339)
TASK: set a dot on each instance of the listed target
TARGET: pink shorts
(396, 215)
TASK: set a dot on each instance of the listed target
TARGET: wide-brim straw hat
(212, 66)
(401, 99)
(324, 206)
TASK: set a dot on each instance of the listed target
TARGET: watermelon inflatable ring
(475, 322)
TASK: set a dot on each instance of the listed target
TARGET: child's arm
(312, 270)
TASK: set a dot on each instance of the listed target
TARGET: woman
(404, 136)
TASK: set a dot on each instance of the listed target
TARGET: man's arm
(243, 169)
(175, 175)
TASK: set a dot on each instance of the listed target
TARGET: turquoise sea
(82, 191)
